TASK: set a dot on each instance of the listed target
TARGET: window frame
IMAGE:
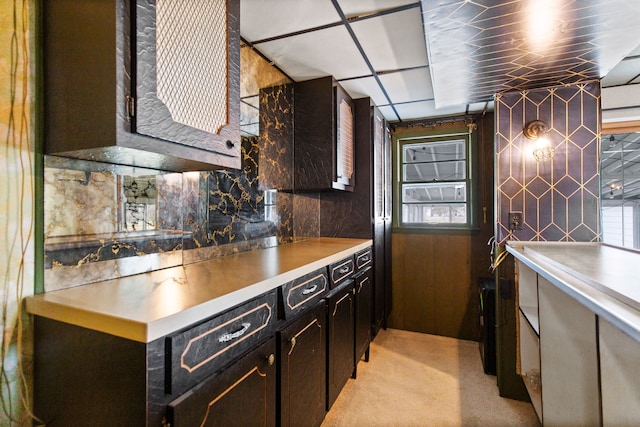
(399, 142)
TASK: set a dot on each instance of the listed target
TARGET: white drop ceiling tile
(622, 73)
(620, 97)
(393, 41)
(353, 8)
(410, 85)
(388, 113)
(311, 55)
(367, 86)
(426, 109)
(260, 19)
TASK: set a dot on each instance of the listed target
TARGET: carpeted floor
(415, 379)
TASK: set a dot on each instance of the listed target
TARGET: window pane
(443, 171)
(451, 213)
(434, 151)
(434, 192)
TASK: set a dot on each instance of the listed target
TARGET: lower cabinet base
(340, 340)
(366, 359)
(301, 376)
(242, 395)
(87, 378)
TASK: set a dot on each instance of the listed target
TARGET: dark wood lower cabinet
(364, 302)
(302, 355)
(288, 370)
(244, 394)
(340, 339)
(87, 378)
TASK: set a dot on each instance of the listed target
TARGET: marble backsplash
(104, 222)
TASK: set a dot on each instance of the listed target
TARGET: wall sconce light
(536, 130)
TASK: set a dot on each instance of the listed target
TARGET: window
(434, 182)
(620, 188)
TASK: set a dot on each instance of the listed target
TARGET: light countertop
(604, 278)
(149, 306)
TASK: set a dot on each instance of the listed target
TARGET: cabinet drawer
(364, 258)
(341, 270)
(198, 352)
(242, 395)
(302, 293)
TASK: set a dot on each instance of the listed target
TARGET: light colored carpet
(415, 379)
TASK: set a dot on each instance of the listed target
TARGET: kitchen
(450, 308)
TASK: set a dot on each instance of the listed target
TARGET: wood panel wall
(436, 276)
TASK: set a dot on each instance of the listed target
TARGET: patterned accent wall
(559, 198)
(196, 215)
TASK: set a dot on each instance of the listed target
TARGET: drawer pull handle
(310, 290)
(365, 258)
(237, 334)
(344, 270)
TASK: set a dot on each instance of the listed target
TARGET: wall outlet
(515, 220)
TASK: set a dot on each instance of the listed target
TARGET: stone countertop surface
(606, 279)
(148, 306)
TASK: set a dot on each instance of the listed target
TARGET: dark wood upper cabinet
(324, 136)
(143, 83)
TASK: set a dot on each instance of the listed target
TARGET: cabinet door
(388, 283)
(364, 300)
(568, 359)
(324, 136)
(340, 342)
(344, 169)
(186, 83)
(619, 359)
(303, 369)
(382, 221)
(242, 395)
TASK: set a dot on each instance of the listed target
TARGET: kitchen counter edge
(586, 290)
(145, 325)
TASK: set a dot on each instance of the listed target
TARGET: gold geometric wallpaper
(558, 198)
(479, 48)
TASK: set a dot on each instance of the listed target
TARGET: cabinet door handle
(237, 334)
(271, 359)
(310, 290)
(293, 342)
